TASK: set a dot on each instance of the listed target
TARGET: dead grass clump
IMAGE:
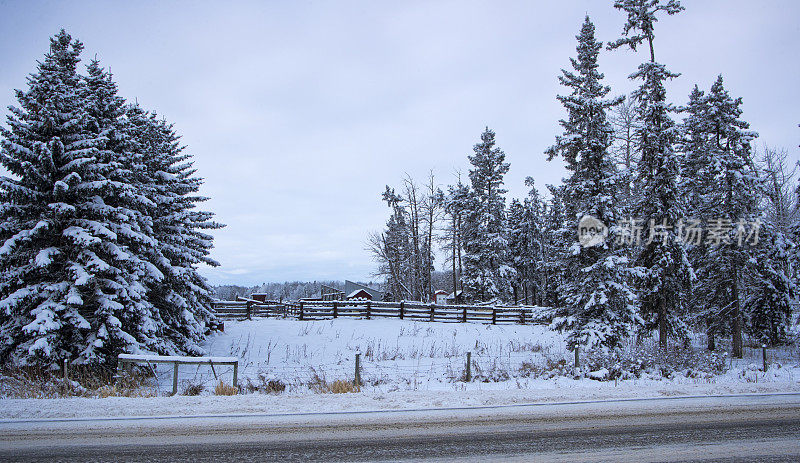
(193, 389)
(83, 381)
(320, 385)
(224, 389)
(265, 385)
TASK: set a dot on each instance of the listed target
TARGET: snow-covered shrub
(191, 388)
(649, 359)
(551, 368)
(265, 385)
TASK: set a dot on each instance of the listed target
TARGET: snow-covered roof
(354, 293)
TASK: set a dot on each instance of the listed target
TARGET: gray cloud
(298, 113)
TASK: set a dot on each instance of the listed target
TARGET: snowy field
(405, 365)
(403, 355)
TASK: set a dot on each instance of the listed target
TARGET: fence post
(335, 309)
(494, 316)
(249, 310)
(464, 316)
(433, 308)
(522, 316)
(469, 367)
(236, 374)
(401, 310)
(369, 309)
(763, 356)
(577, 359)
(301, 311)
(357, 381)
(175, 378)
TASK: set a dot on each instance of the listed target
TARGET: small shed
(456, 297)
(359, 294)
(439, 297)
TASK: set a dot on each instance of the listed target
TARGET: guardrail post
(468, 374)
(401, 310)
(494, 316)
(335, 309)
(301, 311)
(357, 380)
(369, 309)
(763, 356)
(175, 378)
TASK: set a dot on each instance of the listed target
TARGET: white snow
(405, 365)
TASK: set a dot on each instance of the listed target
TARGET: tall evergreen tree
(600, 306)
(734, 195)
(86, 239)
(663, 257)
(65, 287)
(169, 182)
(487, 273)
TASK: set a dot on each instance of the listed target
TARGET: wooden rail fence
(321, 310)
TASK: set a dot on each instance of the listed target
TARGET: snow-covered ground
(404, 365)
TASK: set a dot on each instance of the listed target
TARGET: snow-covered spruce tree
(487, 273)
(519, 247)
(167, 178)
(600, 306)
(668, 273)
(734, 194)
(392, 248)
(526, 246)
(68, 285)
(698, 171)
(557, 239)
(770, 288)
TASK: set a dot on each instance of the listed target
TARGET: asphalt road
(739, 428)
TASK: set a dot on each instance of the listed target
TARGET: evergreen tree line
(99, 223)
(701, 230)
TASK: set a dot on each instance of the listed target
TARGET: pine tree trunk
(711, 340)
(662, 323)
(737, 317)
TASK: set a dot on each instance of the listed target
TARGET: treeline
(697, 230)
(285, 291)
(101, 235)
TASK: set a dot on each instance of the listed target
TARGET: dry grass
(41, 383)
(320, 385)
(224, 389)
(192, 389)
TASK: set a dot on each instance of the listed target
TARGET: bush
(224, 389)
(319, 385)
(265, 385)
(649, 359)
(193, 389)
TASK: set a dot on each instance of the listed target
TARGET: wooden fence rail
(320, 310)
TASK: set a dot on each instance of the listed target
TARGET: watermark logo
(591, 231)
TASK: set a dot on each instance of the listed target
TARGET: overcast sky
(299, 113)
